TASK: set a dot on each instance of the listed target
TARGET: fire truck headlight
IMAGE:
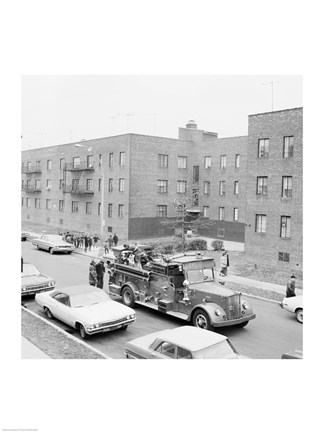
(217, 312)
(245, 305)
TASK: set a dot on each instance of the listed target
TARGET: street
(273, 332)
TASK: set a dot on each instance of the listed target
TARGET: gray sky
(58, 109)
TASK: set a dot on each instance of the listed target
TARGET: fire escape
(72, 183)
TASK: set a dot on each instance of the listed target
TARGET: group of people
(84, 241)
(97, 273)
(110, 242)
(224, 264)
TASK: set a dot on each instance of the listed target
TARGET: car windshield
(30, 270)
(201, 275)
(88, 298)
(222, 349)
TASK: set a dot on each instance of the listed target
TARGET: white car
(87, 309)
(53, 243)
(294, 305)
(182, 343)
(33, 281)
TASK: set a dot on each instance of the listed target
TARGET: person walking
(100, 269)
(95, 240)
(106, 247)
(90, 243)
(93, 274)
(110, 242)
(86, 243)
(115, 239)
(291, 286)
(223, 263)
(227, 262)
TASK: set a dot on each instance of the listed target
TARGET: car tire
(48, 313)
(243, 324)
(201, 320)
(51, 251)
(82, 332)
(299, 315)
(37, 247)
(124, 327)
(128, 296)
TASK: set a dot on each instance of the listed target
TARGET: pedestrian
(90, 243)
(106, 247)
(223, 263)
(110, 241)
(92, 273)
(95, 239)
(227, 262)
(291, 286)
(100, 269)
(115, 239)
(86, 244)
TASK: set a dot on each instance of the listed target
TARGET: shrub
(217, 245)
(196, 244)
(167, 246)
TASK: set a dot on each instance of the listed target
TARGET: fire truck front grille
(233, 308)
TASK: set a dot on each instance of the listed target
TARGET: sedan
(33, 281)
(53, 243)
(182, 343)
(87, 309)
(294, 305)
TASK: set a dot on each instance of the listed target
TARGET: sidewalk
(30, 351)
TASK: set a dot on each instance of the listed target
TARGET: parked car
(294, 305)
(53, 243)
(24, 235)
(296, 354)
(33, 281)
(87, 309)
(182, 343)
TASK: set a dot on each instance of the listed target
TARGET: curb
(69, 336)
(258, 297)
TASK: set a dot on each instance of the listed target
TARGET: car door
(44, 242)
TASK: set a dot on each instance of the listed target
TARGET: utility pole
(272, 83)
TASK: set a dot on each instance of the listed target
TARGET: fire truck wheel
(128, 296)
(201, 320)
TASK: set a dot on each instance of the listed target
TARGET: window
(285, 227)
(100, 160)
(182, 162)
(28, 202)
(22, 184)
(61, 184)
(195, 174)
(109, 210)
(110, 229)
(76, 162)
(37, 184)
(37, 203)
(48, 204)
(195, 197)
(22, 201)
(99, 184)
(90, 161)
(262, 186)
(28, 187)
(28, 166)
(111, 159)
(237, 161)
(221, 213)
(167, 349)
(222, 187)
(236, 188)
(223, 162)
(121, 185)
(49, 164)
(207, 187)
(61, 205)
(235, 214)
(75, 185)
(286, 187)
(89, 185)
(221, 232)
(162, 186)
(99, 209)
(161, 211)
(120, 210)
(183, 353)
(88, 207)
(75, 206)
(181, 186)
(122, 158)
(62, 163)
(207, 162)
(48, 184)
(283, 256)
(163, 161)
(206, 211)
(288, 147)
(263, 148)
(38, 165)
(260, 223)
(110, 185)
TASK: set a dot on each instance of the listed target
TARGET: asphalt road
(273, 332)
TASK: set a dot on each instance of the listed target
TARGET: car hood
(106, 311)
(212, 288)
(35, 280)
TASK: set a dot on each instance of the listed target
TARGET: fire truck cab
(186, 287)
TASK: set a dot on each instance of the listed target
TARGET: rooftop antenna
(272, 84)
(154, 122)
(127, 115)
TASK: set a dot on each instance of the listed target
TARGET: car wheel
(51, 251)
(48, 313)
(37, 247)
(201, 320)
(124, 327)
(299, 315)
(128, 297)
(82, 332)
(243, 324)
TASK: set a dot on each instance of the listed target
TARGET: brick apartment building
(142, 176)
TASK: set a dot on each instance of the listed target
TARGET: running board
(153, 306)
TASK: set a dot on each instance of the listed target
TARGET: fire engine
(184, 286)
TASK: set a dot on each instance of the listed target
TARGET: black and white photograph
(154, 164)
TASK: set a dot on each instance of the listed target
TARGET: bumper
(109, 328)
(67, 250)
(35, 291)
(233, 322)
